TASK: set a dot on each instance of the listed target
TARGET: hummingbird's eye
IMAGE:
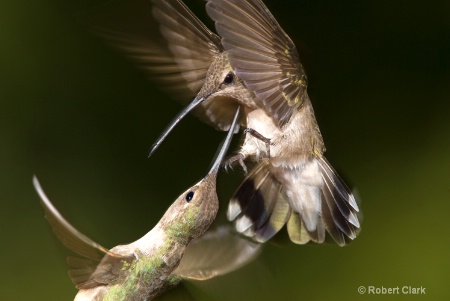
(228, 78)
(189, 196)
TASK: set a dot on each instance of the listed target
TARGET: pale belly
(289, 146)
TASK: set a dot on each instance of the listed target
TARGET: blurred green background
(81, 117)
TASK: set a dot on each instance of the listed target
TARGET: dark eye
(189, 196)
(228, 78)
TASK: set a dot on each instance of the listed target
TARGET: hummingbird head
(222, 84)
(222, 92)
(195, 209)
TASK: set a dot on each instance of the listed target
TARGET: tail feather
(299, 234)
(278, 218)
(245, 196)
(259, 205)
(262, 205)
(340, 200)
(331, 220)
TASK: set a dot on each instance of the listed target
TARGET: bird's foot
(228, 163)
(257, 135)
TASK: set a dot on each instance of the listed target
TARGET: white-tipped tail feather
(312, 200)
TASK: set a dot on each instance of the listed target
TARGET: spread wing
(216, 253)
(192, 45)
(99, 265)
(175, 51)
(263, 55)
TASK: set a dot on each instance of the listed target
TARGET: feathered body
(252, 63)
(144, 269)
(294, 183)
(152, 264)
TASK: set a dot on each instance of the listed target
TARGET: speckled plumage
(293, 184)
(146, 267)
(254, 64)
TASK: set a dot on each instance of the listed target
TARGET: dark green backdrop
(82, 118)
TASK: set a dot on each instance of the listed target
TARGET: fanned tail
(312, 201)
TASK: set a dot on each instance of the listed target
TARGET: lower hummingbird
(253, 64)
(164, 256)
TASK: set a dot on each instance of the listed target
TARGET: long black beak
(223, 148)
(174, 122)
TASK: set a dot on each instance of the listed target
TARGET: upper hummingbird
(154, 263)
(253, 64)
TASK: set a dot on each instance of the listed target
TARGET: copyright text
(397, 290)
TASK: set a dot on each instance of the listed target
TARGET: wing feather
(174, 48)
(99, 265)
(256, 43)
(217, 252)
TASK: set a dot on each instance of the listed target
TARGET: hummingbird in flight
(253, 64)
(149, 266)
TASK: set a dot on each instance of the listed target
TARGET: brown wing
(216, 253)
(263, 55)
(192, 45)
(111, 269)
(175, 51)
(99, 265)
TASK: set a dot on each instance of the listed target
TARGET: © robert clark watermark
(397, 290)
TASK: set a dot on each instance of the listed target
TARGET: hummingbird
(160, 259)
(252, 63)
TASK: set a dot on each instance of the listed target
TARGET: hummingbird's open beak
(223, 148)
(174, 122)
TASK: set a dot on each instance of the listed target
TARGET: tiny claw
(239, 158)
(257, 135)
